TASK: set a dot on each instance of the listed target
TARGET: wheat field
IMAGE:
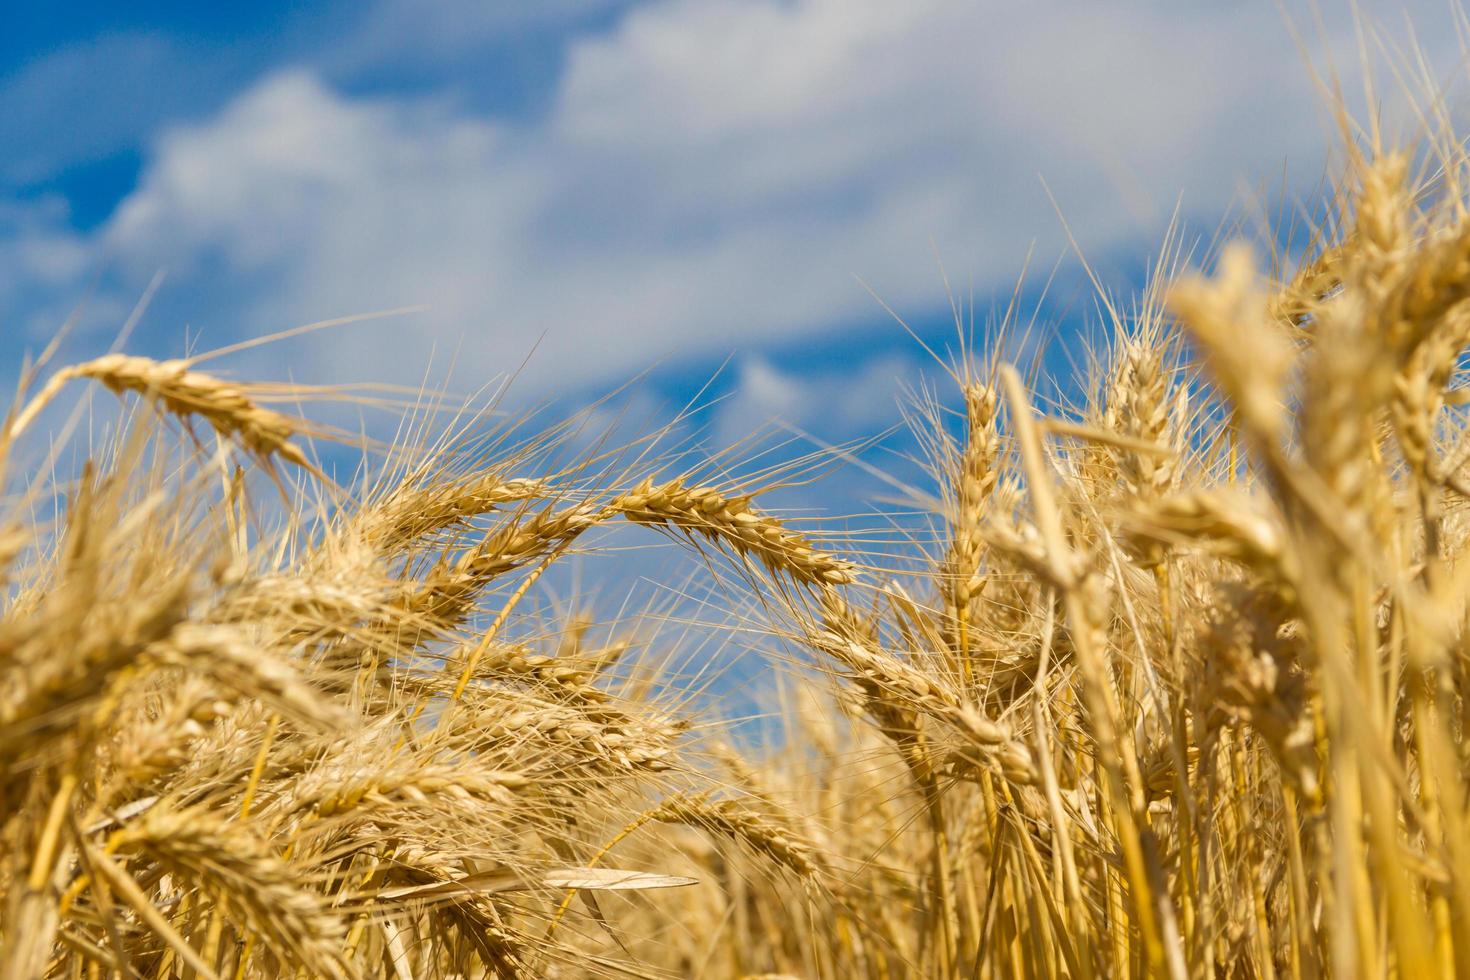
(1176, 686)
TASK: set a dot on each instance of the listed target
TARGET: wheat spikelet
(1139, 406)
(95, 646)
(1381, 231)
(732, 521)
(186, 393)
(890, 683)
(1228, 523)
(418, 511)
(151, 746)
(1431, 285)
(1346, 380)
(1313, 283)
(447, 593)
(222, 653)
(413, 784)
(727, 818)
(237, 872)
(561, 677)
(1250, 358)
(974, 482)
(602, 737)
(1419, 392)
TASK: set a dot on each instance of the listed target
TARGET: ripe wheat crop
(1175, 683)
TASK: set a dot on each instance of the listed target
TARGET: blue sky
(619, 186)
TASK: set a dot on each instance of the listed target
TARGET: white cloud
(831, 404)
(710, 177)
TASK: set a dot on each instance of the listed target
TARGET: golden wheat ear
(733, 522)
(186, 394)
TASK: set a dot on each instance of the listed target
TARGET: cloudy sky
(581, 190)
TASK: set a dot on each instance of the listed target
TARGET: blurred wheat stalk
(1178, 688)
